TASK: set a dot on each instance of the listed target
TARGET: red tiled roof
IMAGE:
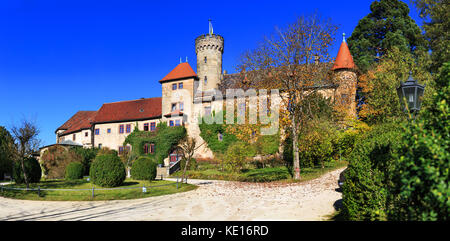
(344, 59)
(174, 113)
(81, 120)
(182, 71)
(129, 110)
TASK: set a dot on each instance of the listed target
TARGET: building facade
(185, 96)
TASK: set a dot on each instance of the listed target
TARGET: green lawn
(86, 195)
(211, 171)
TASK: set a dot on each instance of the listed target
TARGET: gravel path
(213, 200)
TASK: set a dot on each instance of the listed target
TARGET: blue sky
(59, 57)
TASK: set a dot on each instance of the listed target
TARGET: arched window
(206, 80)
(206, 60)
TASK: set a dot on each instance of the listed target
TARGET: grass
(211, 171)
(99, 195)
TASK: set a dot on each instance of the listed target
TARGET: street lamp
(413, 92)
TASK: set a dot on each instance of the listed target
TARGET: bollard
(92, 192)
(177, 182)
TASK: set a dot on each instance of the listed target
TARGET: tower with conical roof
(345, 74)
(209, 50)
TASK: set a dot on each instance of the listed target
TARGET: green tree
(436, 14)
(387, 25)
(421, 175)
(7, 150)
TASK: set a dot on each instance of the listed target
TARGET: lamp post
(412, 92)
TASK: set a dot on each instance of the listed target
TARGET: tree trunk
(295, 150)
(23, 167)
(185, 168)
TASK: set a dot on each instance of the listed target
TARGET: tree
(379, 85)
(56, 158)
(7, 152)
(387, 25)
(188, 146)
(286, 61)
(436, 14)
(26, 136)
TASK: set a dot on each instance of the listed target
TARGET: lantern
(412, 92)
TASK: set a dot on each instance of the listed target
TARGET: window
(145, 148)
(74, 137)
(128, 128)
(207, 110)
(206, 59)
(149, 148)
(174, 106)
(86, 134)
(97, 132)
(152, 126)
(108, 131)
(206, 80)
(177, 123)
(121, 129)
(180, 85)
(181, 106)
(128, 149)
(146, 127)
(171, 123)
(220, 136)
(174, 86)
(152, 148)
(120, 150)
(99, 146)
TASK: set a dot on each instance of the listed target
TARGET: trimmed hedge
(107, 171)
(32, 168)
(74, 171)
(144, 168)
(366, 188)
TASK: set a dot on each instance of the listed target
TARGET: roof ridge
(122, 101)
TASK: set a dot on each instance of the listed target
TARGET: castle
(185, 96)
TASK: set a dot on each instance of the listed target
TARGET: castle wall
(115, 139)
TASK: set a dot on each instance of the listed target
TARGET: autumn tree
(379, 85)
(388, 25)
(26, 135)
(188, 147)
(286, 60)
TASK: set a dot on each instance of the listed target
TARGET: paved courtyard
(213, 200)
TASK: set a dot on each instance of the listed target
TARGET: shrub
(192, 164)
(107, 171)
(56, 158)
(265, 175)
(32, 168)
(421, 188)
(87, 157)
(365, 189)
(74, 171)
(144, 168)
(316, 145)
(235, 156)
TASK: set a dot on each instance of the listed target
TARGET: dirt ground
(213, 200)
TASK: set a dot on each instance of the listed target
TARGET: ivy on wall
(165, 138)
(261, 144)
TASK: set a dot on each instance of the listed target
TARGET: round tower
(209, 50)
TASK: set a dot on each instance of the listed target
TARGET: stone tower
(345, 72)
(209, 50)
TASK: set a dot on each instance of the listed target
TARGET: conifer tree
(388, 25)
